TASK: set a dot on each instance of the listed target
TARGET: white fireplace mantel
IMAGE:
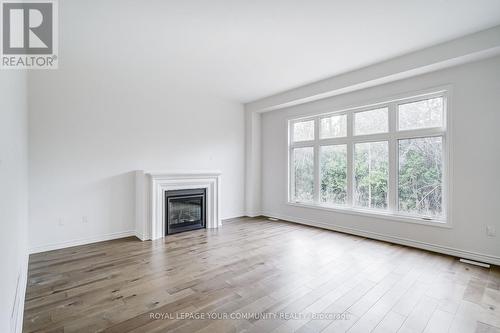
(150, 197)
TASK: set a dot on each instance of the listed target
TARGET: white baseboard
(253, 214)
(490, 259)
(18, 310)
(234, 216)
(82, 241)
(141, 236)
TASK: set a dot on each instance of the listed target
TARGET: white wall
(253, 163)
(476, 157)
(13, 198)
(112, 108)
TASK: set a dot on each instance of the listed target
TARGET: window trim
(392, 136)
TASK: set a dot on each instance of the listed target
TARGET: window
(303, 162)
(421, 114)
(371, 122)
(420, 178)
(303, 131)
(371, 174)
(387, 159)
(333, 161)
(334, 126)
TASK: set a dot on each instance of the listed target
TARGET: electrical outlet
(490, 231)
(60, 222)
(85, 219)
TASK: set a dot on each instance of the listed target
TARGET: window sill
(374, 214)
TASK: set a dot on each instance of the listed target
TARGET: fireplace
(151, 199)
(185, 210)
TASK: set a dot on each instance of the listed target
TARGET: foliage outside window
(420, 176)
(333, 161)
(388, 159)
(303, 161)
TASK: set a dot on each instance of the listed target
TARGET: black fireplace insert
(185, 210)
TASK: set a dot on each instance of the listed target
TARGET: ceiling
(244, 50)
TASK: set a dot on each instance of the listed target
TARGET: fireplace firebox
(185, 210)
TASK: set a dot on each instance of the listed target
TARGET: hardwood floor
(254, 268)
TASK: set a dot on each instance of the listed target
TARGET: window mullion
(393, 159)
(350, 165)
(317, 180)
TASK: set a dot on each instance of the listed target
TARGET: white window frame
(392, 137)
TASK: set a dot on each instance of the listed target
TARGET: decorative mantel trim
(150, 196)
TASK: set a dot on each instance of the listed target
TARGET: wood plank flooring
(254, 275)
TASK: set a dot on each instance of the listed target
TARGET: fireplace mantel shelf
(184, 174)
(150, 190)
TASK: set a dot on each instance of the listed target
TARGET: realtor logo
(29, 34)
